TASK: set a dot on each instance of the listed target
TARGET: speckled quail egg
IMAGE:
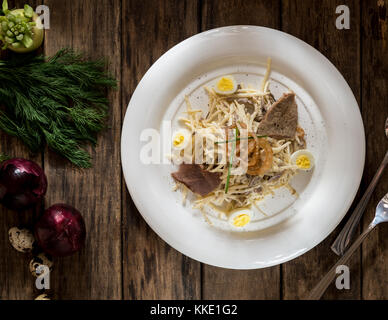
(21, 239)
(226, 85)
(43, 296)
(240, 218)
(41, 259)
(303, 159)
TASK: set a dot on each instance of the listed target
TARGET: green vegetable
(28, 11)
(5, 6)
(4, 157)
(238, 139)
(58, 101)
(231, 163)
(21, 29)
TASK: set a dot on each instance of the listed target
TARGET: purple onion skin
(60, 231)
(22, 183)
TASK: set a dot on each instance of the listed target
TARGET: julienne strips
(59, 101)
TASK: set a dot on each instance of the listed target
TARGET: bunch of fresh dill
(59, 101)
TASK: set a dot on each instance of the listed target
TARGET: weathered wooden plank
(374, 111)
(151, 268)
(232, 284)
(16, 282)
(314, 22)
(95, 273)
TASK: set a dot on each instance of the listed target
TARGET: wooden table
(123, 258)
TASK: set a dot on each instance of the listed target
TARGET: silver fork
(347, 233)
(381, 215)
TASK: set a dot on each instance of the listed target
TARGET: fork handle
(347, 233)
(321, 287)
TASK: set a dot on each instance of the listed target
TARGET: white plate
(327, 110)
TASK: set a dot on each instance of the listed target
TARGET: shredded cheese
(225, 110)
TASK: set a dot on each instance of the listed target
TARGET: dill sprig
(4, 157)
(59, 101)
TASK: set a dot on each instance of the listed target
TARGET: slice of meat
(197, 179)
(281, 119)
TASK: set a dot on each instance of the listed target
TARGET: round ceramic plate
(327, 111)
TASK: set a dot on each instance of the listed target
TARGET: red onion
(60, 231)
(22, 183)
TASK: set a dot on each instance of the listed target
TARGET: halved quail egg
(225, 85)
(303, 159)
(240, 218)
(181, 139)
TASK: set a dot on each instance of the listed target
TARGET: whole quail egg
(42, 259)
(21, 239)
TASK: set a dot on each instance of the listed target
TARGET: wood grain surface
(375, 110)
(221, 283)
(123, 257)
(16, 281)
(152, 269)
(96, 271)
(314, 23)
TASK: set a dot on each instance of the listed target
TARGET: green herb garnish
(59, 101)
(4, 157)
(238, 139)
(231, 163)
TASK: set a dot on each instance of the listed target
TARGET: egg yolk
(178, 140)
(241, 220)
(225, 84)
(303, 162)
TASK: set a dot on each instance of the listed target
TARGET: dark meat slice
(197, 179)
(281, 119)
